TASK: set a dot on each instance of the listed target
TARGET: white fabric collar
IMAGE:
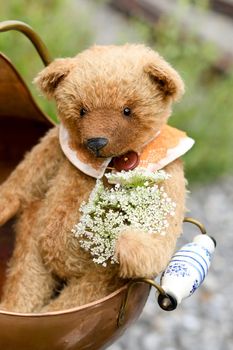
(74, 158)
(97, 167)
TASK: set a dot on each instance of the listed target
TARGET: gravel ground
(204, 321)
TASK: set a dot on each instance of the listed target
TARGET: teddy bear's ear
(167, 79)
(49, 78)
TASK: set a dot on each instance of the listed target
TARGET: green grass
(206, 110)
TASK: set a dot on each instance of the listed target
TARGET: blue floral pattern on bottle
(188, 268)
(177, 269)
(195, 286)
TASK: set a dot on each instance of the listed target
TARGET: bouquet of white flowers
(137, 199)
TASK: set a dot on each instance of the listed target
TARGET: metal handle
(165, 301)
(197, 223)
(32, 36)
(200, 226)
(152, 283)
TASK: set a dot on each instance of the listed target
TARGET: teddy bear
(111, 101)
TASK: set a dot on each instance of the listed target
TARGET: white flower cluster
(135, 200)
(137, 177)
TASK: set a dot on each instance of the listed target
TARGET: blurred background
(196, 37)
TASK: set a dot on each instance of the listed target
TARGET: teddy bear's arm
(144, 255)
(30, 180)
(60, 213)
(29, 284)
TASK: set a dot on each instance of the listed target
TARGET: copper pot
(92, 326)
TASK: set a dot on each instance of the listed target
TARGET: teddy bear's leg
(83, 290)
(29, 285)
(145, 255)
(29, 181)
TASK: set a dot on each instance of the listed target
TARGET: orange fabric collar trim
(169, 145)
(164, 149)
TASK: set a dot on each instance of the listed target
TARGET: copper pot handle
(168, 302)
(32, 36)
(123, 308)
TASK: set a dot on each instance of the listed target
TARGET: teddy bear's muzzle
(96, 144)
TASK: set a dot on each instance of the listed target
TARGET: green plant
(65, 29)
(205, 112)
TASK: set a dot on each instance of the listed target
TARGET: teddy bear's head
(112, 99)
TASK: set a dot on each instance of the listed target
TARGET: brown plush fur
(46, 190)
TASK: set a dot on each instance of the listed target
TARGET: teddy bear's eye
(82, 112)
(127, 111)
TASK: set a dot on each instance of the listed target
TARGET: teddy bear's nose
(95, 144)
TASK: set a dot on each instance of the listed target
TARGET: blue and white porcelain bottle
(186, 271)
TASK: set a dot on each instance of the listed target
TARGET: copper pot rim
(67, 311)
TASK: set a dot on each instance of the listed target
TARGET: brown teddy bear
(111, 100)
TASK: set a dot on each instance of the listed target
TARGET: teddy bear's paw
(9, 206)
(139, 254)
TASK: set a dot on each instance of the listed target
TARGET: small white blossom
(136, 200)
(136, 177)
